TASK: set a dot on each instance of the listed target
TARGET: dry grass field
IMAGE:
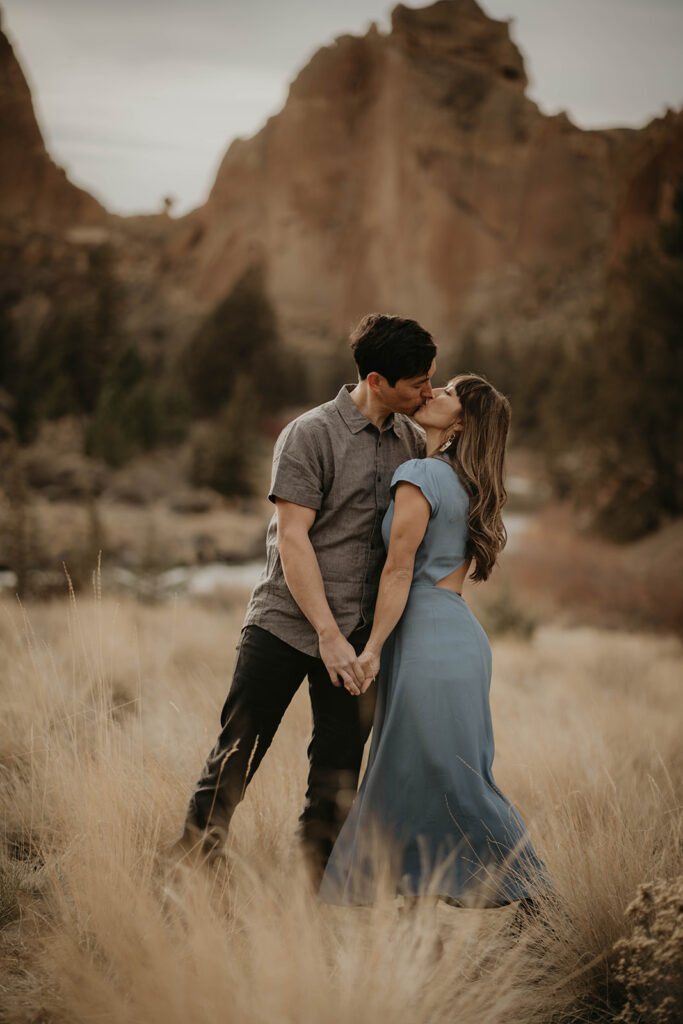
(108, 708)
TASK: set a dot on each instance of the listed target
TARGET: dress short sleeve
(297, 474)
(419, 472)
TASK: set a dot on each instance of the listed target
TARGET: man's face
(408, 393)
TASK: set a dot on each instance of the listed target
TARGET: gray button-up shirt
(334, 460)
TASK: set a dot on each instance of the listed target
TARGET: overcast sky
(138, 99)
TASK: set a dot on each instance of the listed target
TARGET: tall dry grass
(108, 711)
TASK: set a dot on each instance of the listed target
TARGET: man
(311, 612)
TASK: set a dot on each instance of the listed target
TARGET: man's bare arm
(305, 582)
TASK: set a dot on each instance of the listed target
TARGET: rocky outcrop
(33, 189)
(409, 172)
(66, 264)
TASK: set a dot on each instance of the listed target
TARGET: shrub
(20, 540)
(650, 959)
(503, 614)
(11, 878)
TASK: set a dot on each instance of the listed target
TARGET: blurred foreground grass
(109, 708)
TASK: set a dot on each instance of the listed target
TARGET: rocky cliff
(70, 272)
(33, 189)
(409, 172)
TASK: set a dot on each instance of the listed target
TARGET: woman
(428, 818)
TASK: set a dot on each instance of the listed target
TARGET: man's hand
(341, 662)
(369, 665)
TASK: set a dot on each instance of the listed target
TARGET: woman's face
(443, 411)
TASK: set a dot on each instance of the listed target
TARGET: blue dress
(428, 817)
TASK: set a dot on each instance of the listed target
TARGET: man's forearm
(304, 579)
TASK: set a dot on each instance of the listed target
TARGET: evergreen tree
(632, 429)
(240, 339)
(606, 413)
(223, 450)
(126, 419)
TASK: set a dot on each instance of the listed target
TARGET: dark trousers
(268, 672)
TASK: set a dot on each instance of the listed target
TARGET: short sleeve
(420, 473)
(297, 473)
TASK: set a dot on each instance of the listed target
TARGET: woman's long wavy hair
(477, 453)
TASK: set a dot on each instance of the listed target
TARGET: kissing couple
(386, 497)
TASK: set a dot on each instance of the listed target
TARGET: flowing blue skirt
(428, 817)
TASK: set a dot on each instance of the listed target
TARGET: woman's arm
(411, 515)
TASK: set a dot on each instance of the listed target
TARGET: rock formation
(409, 172)
(61, 250)
(33, 189)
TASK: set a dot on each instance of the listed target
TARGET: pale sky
(138, 99)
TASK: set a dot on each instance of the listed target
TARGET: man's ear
(375, 381)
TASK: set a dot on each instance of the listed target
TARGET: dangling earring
(448, 443)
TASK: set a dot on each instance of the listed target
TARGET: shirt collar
(354, 418)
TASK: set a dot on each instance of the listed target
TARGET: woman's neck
(434, 440)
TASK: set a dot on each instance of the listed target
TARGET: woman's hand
(339, 658)
(369, 663)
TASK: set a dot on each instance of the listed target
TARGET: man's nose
(426, 391)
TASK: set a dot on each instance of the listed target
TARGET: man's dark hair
(392, 346)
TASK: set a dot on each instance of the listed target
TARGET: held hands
(369, 665)
(355, 674)
(341, 662)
